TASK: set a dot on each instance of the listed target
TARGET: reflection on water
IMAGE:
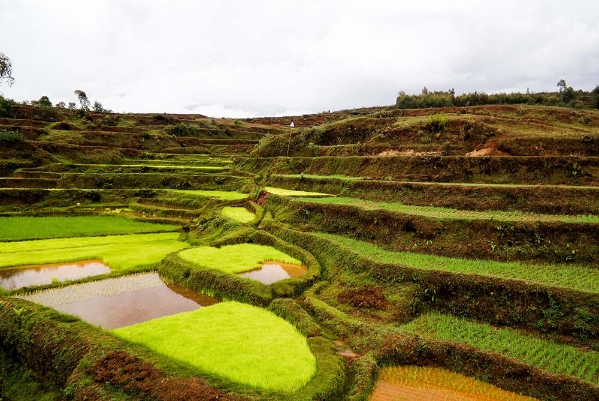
(25, 276)
(271, 272)
(122, 301)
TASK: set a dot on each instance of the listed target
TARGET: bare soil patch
(136, 377)
(367, 296)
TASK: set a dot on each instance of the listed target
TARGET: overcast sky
(244, 58)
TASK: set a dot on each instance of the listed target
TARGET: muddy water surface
(122, 301)
(26, 276)
(272, 271)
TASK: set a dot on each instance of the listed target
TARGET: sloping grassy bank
(505, 301)
(154, 180)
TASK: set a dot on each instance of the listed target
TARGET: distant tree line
(566, 96)
(44, 101)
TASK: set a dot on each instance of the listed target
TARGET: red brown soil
(262, 197)
(366, 296)
(138, 378)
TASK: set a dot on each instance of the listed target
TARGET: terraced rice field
(547, 355)
(447, 213)
(19, 228)
(120, 252)
(235, 258)
(578, 278)
(240, 214)
(239, 342)
(501, 196)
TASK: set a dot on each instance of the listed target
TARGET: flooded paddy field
(273, 271)
(27, 276)
(122, 301)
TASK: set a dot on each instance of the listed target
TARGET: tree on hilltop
(6, 70)
(83, 100)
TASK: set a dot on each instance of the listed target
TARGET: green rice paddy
(235, 341)
(19, 228)
(221, 195)
(120, 252)
(291, 192)
(240, 214)
(552, 357)
(235, 258)
(574, 277)
(449, 213)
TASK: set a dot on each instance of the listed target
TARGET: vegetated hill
(482, 219)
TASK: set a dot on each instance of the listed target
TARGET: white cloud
(238, 58)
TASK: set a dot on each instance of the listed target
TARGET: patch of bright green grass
(22, 227)
(324, 177)
(574, 277)
(235, 258)
(235, 341)
(555, 358)
(120, 252)
(291, 192)
(449, 213)
(222, 195)
(240, 214)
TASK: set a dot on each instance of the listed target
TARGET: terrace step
(571, 240)
(576, 171)
(27, 182)
(152, 211)
(552, 199)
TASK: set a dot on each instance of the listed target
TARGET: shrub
(5, 107)
(436, 123)
(7, 136)
(180, 130)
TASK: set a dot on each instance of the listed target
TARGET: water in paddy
(271, 272)
(122, 301)
(26, 276)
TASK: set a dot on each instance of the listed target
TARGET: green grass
(235, 341)
(19, 228)
(291, 192)
(222, 195)
(449, 213)
(324, 177)
(234, 258)
(574, 277)
(120, 252)
(555, 358)
(240, 214)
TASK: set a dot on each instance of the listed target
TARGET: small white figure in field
(292, 124)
